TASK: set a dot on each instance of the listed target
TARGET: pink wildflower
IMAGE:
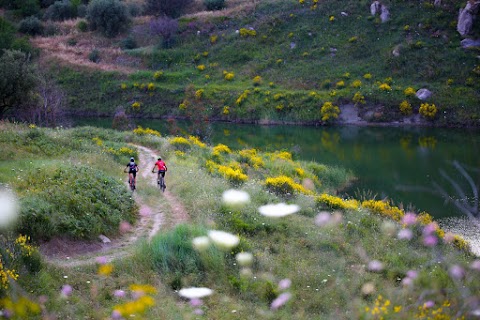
(475, 265)
(119, 293)
(280, 300)
(375, 266)
(409, 219)
(66, 290)
(284, 284)
(456, 272)
(196, 302)
(101, 260)
(405, 234)
(322, 219)
(430, 241)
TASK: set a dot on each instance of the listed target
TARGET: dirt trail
(68, 253)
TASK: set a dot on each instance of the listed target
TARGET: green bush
(173, 253)
(214, 4)
(82, 26)
(31, 25)
(73, 201)
(94, 56)
(24, 8)
(108, 16)
(128, 43)
(60, 10)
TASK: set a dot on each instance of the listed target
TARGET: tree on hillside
(17, 81)
(169, 8)
(7, 34)
(108, 16)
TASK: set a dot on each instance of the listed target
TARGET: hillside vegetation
(279, 61)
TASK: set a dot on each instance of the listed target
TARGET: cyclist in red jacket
(162, 168)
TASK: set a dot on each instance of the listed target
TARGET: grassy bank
(282, 61)
(333, 258)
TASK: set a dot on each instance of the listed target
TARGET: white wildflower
(223, 240)
(234, 197)
(278, 210)
(195, 293)
(9, 208)
(201, 243)
(244, 259)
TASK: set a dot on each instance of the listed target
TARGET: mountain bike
(131, 181)
(161, 180)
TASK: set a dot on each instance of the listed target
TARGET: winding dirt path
(63, 252)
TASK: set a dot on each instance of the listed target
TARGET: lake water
(412, 166)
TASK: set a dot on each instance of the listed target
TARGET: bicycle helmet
(159, 158)
(132, 159)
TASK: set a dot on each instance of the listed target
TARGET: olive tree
(108, 16)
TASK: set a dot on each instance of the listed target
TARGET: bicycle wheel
(162, 184)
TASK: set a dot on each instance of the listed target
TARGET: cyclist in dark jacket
(132, 168)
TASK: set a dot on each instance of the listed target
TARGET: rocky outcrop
(423, 94)
(467, 16)
(377, 8)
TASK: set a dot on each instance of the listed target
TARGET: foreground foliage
(322, 257)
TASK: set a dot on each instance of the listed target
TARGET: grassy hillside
(331, 258)
(282, 61)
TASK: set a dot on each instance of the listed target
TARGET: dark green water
(408, 165)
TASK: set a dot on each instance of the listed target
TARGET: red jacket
(161, 165)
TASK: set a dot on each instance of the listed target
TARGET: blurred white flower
(388, 228)
(223, 240)
(9, 208)
(234, 197)
(278, 210)
(244, 259)
(368, 288)
(201, 243)
(322, 219)
(195, 293)
(405, 234)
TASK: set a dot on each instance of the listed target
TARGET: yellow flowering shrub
(196, 141)
(334, 202)
(331, 18)
(158, 74)
(247, 32)
(179, 154)
(213, 39)
(257, 80)
(141, 302)
(405, 107)
(367, 76)
(358, 98)
(146, 131)
(228, 75)
(123, 86)
(356, 84)
(251, 157)
(409, 91)
(329, 111)
(242, 97)
(136, 105)
(281, 155)
(300, 172)
(385, 87)
(182, 106)
(201, 67)
(199, 93)
(340, 84)
(384, 208)
(353, 39)
(232, 174)
(428, 110)
(221, 148)
(284, 185)
(98, 141)
(226, 110)
(278, 96)
(180, 143)
(151, 86)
